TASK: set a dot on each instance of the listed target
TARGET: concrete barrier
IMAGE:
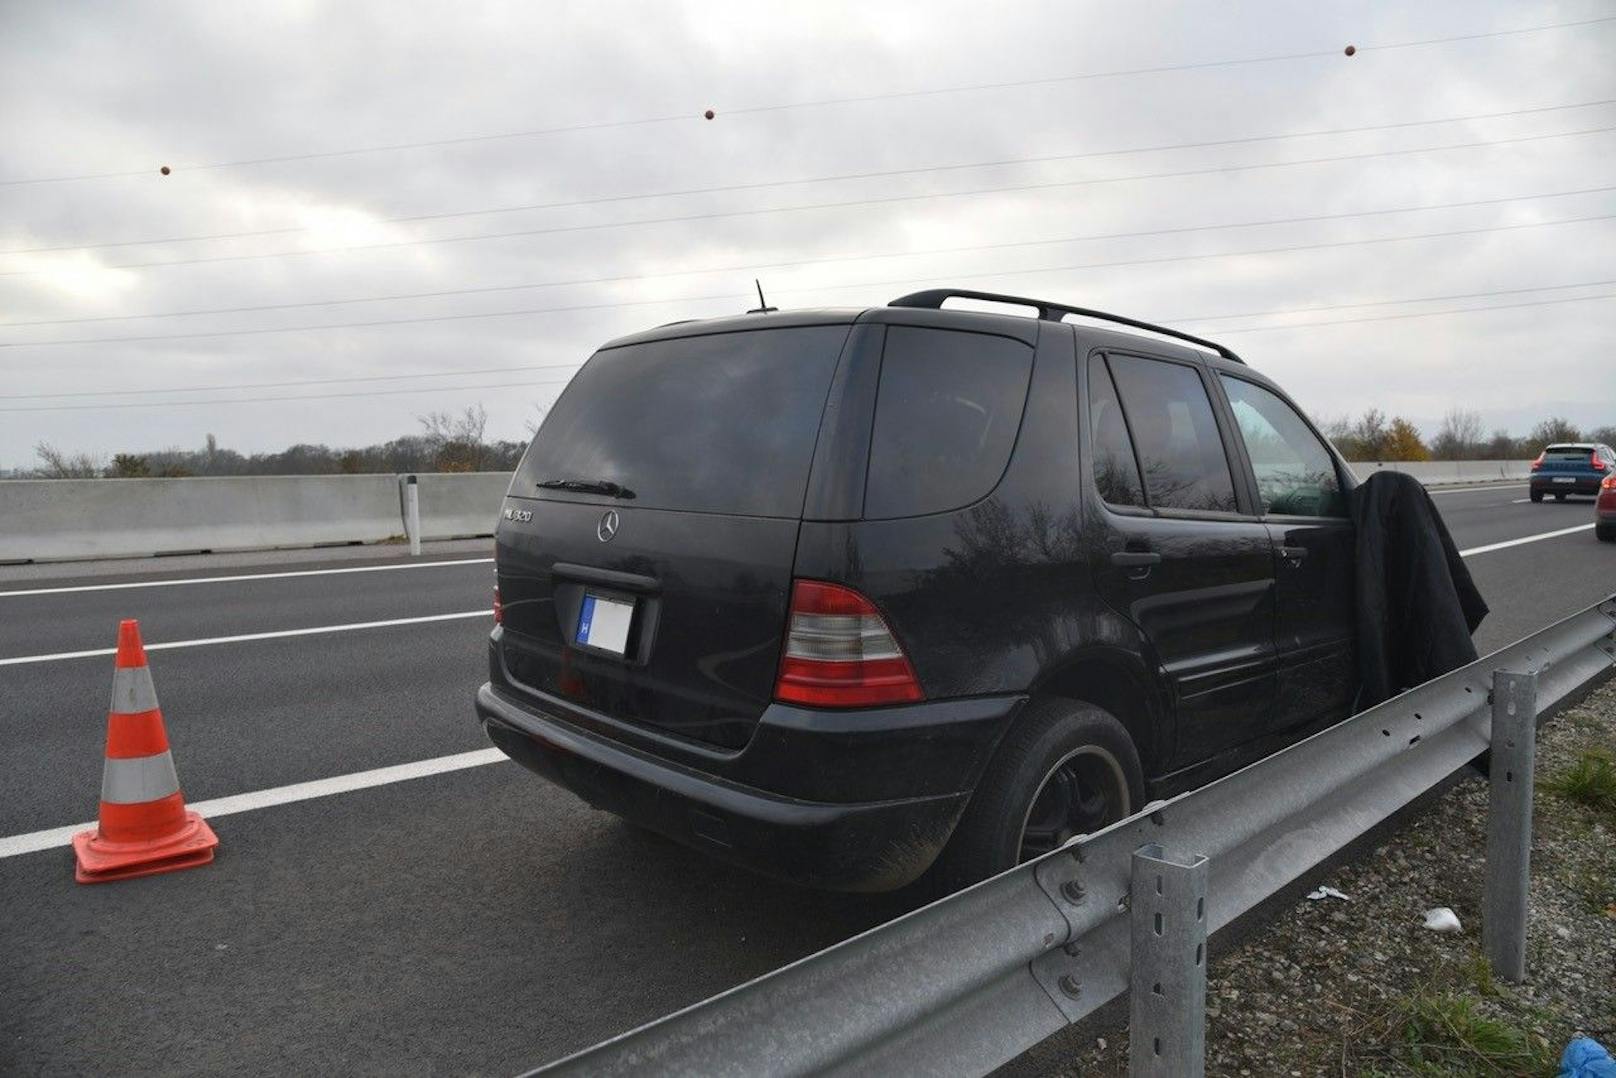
(66, 519)
(60, 519)
(1440, 472)
(460, 505)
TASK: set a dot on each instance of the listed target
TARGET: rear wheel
(1065, 769)
(1536, 495)
(1605, 532)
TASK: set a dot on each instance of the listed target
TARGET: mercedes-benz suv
(854, 596)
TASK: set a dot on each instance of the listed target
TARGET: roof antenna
(763, 304)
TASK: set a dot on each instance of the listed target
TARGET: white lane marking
(1525, 539)
(1508, 485)
(278, 634)
(242, 576)
(1520, 501)
(13, 845)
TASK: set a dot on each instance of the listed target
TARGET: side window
(946, 417)
(1295, 473)
(1176, 435)
(1116, 473)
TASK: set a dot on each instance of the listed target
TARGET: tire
(1605, 533)
(1060, 757)
(1536, 495)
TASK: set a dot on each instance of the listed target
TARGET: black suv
(847, 596)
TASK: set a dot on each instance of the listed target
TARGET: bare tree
(56, 464)
(1459, 437)
(1551, 430)
(457, 442)
(1371, 435)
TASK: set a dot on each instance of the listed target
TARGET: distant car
(1605, 510)
(853, 596)
(1571, 468)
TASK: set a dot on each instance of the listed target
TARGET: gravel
(1323, 988)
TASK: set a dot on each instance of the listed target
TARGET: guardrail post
(1509, 823)
(1167, 1016)
(412, 513)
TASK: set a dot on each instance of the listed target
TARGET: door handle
(1293, 554)
(1135, 559)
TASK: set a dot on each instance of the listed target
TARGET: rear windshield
(1567, 452)
(718, 424)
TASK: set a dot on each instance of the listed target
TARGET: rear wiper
(587, 486)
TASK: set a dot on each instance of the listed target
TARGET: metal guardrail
(974, 980)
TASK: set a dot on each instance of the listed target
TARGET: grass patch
(1446, 1034)
(1591, 781)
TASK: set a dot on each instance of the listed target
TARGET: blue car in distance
(1571, 468)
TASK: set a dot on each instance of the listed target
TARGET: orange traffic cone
(144, 826)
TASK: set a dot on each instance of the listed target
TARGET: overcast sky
(124, 88)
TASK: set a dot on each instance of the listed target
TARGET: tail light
(499, 609)
(1537, 464)
(1595, 462)
(839, 652)
(1609, 483)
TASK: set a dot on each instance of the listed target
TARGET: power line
(262, 400)
(886, 200)
(692, 115)
(765, 184)
(295, 382)
(1419, 314)
(1382, 303)
(904, 281)
(753, 266)
(1253, 329)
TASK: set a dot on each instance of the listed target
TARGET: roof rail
(1053, 312)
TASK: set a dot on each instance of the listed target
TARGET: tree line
(1461, 436)
(457, 442)
(448, 442)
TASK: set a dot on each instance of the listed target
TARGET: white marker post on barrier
(412, 513)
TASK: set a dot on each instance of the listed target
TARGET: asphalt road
(477, 921)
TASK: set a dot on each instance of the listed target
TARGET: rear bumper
(1581, 484)
(866, 845)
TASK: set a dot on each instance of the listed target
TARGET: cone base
(102, 861)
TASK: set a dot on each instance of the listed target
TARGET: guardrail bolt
(1073, 891)
(1072, 949)
(1070, 986)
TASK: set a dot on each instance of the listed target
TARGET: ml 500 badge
(521, 516)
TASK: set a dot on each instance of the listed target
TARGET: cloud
(108, 88)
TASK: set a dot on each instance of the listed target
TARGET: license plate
(603, 623)
(1565, 479)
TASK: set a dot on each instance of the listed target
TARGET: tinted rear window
(717, 424)
(946, 418)
(1579, 453)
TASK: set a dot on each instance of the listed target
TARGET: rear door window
(946, 417)
(1173, 428)
(1116, 472)
(723, 423)
(1296, 475)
